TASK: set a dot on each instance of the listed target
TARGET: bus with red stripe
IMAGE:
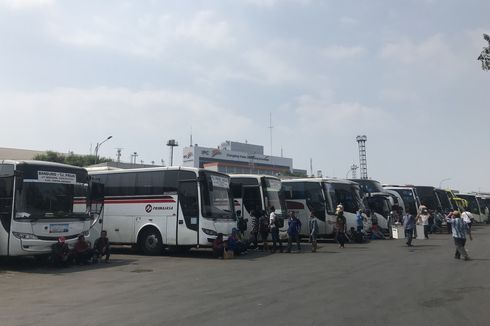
(166, 207)
(40, 202)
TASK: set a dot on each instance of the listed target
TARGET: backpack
(263, 224)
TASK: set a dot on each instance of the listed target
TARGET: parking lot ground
(378, 283)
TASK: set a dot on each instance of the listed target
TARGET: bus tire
(150, 242)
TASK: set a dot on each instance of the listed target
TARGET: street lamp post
(172, 143)
(440, 183)
(97, 148)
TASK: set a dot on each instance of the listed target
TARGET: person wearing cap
(340, 226)
(60, 255)
(459, 229)
(82, 252)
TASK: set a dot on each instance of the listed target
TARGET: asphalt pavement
(378, 283)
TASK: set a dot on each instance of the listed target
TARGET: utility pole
(311, 167)
(270, 128)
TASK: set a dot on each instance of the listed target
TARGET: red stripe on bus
(138, 201)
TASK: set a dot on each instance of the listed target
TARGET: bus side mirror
(238, 213)
(97, 192)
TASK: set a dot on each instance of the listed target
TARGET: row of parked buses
(181, 207)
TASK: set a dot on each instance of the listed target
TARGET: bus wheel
(151, 242)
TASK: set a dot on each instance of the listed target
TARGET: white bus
(39, 202)
(259, 193)
(157, 208)
(322, 196)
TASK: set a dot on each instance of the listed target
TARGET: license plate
(59, 228)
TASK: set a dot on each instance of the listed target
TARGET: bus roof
(253, 176)
(160, 168)
(341, 181)
(41, 163)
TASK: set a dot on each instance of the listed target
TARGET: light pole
(172, 143)
(97, 148)
(440, 183)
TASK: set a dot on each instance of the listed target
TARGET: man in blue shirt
(459, 229)
(294, 227)
(409, 225)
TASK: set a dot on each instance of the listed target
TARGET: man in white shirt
(467, 217)
(274, 226)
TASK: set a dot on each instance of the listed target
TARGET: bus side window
(188, 198)
(170, 181)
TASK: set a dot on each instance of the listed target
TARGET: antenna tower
(361, 142)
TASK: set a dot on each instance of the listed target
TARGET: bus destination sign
(56, 177)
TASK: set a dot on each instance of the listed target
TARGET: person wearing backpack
(294, 227)
(264, 230)
(274, 227)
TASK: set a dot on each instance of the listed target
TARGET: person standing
(254, 232)
(459, 230)
(264, 230)
(467, 217)
(274, 227)
(294, 227)
(423, 218)
(314, 230)
(340, 226)
(359, 221)
(409, 225)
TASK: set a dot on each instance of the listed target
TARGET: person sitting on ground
(61, 253)
(235, 243)
(82, 251)
(219, 246)
(102, 247)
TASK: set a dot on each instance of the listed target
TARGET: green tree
(71, 159)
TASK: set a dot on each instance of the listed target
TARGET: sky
(404, 73)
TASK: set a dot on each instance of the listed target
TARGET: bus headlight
(210, 232)
(24, 236)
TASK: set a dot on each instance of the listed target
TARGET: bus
(473, 207)
(259, 193)
(409, 196)
(41, 201)
(445, 200)
(322, 196)
(166, 207)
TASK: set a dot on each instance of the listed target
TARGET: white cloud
(348, 21)
(273, 3)
(433, 49)
(342, 52)
(26, 4)
(71, 119)
(206, 28)
(148, 35)
(322, 112)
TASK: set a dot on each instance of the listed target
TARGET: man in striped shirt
(459, 229)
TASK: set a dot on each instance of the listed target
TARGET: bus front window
(275, 196)
(40, 200)
(217, 199)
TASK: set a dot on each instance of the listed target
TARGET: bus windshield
(348, 195)
(38, 200)
(217, 199)
(408, 200)
(473, 206)
(275, 196)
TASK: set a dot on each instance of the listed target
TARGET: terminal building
(235, 157)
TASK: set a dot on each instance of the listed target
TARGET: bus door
(6, 201)
(187, 222)
(251, 200)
